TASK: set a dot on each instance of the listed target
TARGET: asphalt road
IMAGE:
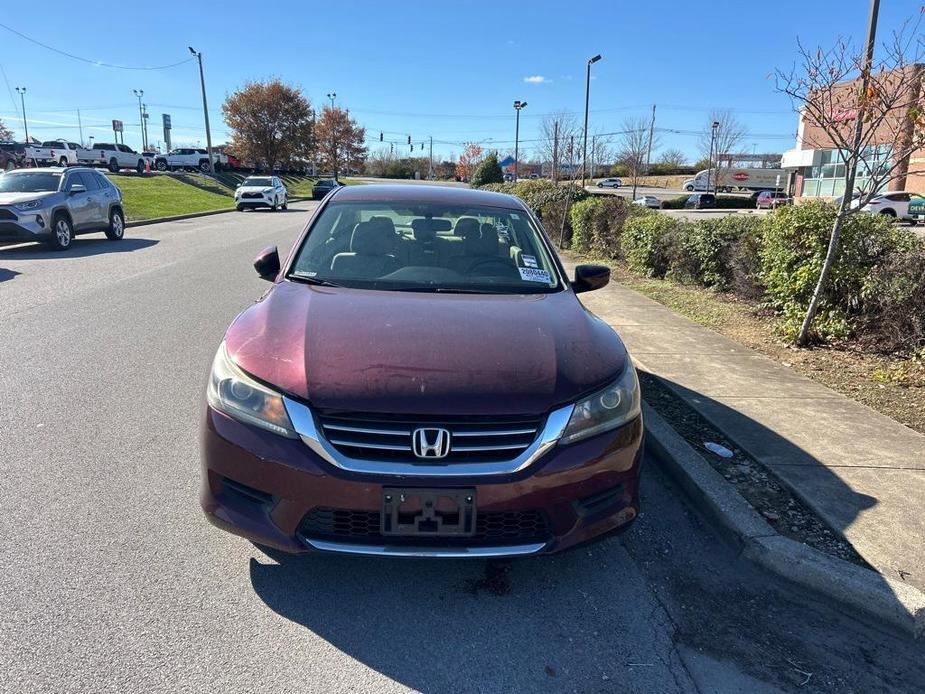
(113, 581)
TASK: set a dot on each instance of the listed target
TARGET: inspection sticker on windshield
(532, 274)
(530, 261)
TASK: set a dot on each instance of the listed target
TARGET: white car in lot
(895, 204)
(610, 183)
(54, 153)
(185, 158)
(649, 201)
(114, 157)
(261, 191)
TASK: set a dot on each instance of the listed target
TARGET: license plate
(413, 512)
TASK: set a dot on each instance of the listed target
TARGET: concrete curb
(190, 215)
(860, 590)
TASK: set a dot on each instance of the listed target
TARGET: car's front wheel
(161, 165)
(62, 232)
(116, 229)
(204, 166)
(275, 205)
(140, 166)
(285, 202)
(62, 161)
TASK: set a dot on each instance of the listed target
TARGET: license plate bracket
(415, 512)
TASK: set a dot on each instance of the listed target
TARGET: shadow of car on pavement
(80, 248)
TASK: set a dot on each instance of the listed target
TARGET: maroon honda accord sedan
(421, 380)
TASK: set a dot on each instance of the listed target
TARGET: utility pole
(555, 151)
(584, 158)
(432, 157)
(571, 157)
(593, 140)
(80, 128)
(141, 117)
(710, 169)
(649, 148)
(517, 106)
(205, 109)
(22, 98)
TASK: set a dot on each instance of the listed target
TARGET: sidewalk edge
(886, 600)
(191, 215)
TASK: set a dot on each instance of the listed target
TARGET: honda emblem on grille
(431, 443)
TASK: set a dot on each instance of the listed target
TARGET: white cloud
(536, 79)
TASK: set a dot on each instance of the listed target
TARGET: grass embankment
(890, 385)
(147, 197)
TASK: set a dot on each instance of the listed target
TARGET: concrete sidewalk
(860, 471)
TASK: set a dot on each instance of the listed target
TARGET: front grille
(251, 196)
(7, 214)
(389, 438)
(492, 527)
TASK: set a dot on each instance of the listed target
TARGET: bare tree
(871, 114)
(556, 130)
(674, 158)
(730, 133)
(634, 144)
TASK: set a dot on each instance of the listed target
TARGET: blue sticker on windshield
(531, 274)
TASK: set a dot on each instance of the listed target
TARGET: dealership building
(815, 170)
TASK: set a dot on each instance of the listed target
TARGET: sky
(449, 71)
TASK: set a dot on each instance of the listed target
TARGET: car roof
(425, 193)
(56, 169)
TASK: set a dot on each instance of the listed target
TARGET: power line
(97, 63)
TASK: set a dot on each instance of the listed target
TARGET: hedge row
(723, 202)
(877, 287)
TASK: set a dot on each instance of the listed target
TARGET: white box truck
(729, 179)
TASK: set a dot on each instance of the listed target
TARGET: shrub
(734, 202)
(794, 247)
(647, 243)
(893, 315)
(488, 171)
(675, 203)
(580, 219)
(597, 224)
(706, 252)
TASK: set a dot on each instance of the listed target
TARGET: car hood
(13, 198)
(414, 353)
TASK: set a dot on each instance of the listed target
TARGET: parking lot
(114, 581)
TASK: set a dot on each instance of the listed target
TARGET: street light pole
(517, 106)
(205, 109)
(332, 96)
(22, 98)
(584, 157)
(710, 169)
(141, 118)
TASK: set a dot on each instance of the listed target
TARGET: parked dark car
(323, 187)
(769, 199)
(421, 379)
(12, 155)
(700, 201)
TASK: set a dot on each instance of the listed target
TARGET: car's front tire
(140, 166)
(161, 165)
(275, 206)
(116, 229)
(204, 166)
(285, 202)
(62, 162)
(62, 232)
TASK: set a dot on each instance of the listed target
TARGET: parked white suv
(894, 204)
(185, 158)
(610, 183)
(261, 191)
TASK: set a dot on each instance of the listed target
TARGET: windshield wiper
(313, 280)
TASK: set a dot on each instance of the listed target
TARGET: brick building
(816, 171)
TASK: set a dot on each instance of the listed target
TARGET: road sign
(166, 118)
(117, 126)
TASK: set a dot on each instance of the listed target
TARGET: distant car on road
(610, 183)
(261, 191)
(54, 205)
(769, 199)
(894, 204)
(649, 201)
(12, 155)
(323, 187)
(700, 201)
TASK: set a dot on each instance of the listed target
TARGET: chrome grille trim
(378, 446)
(361, 430)
(510, 432)
(549, 434)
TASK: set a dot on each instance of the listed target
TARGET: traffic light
(409, 139)
(380, 137)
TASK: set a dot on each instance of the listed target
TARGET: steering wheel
(506, 266)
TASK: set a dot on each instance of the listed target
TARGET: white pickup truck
(115, 157)
(186, 158)
(54, 152)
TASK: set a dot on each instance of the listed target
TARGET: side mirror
(590, 277)
(77, 188)
(267, 263)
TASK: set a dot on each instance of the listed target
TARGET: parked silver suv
(53, 205)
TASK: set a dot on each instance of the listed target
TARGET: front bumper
(251, 203)
(31, 225)
(266, 488)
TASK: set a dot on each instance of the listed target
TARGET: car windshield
(426, 247)
(257, 181)
(326, 182)
(29, 182)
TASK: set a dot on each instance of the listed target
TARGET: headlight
(236, 394)
(31, 205)
(607, 409)
(267, 191)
